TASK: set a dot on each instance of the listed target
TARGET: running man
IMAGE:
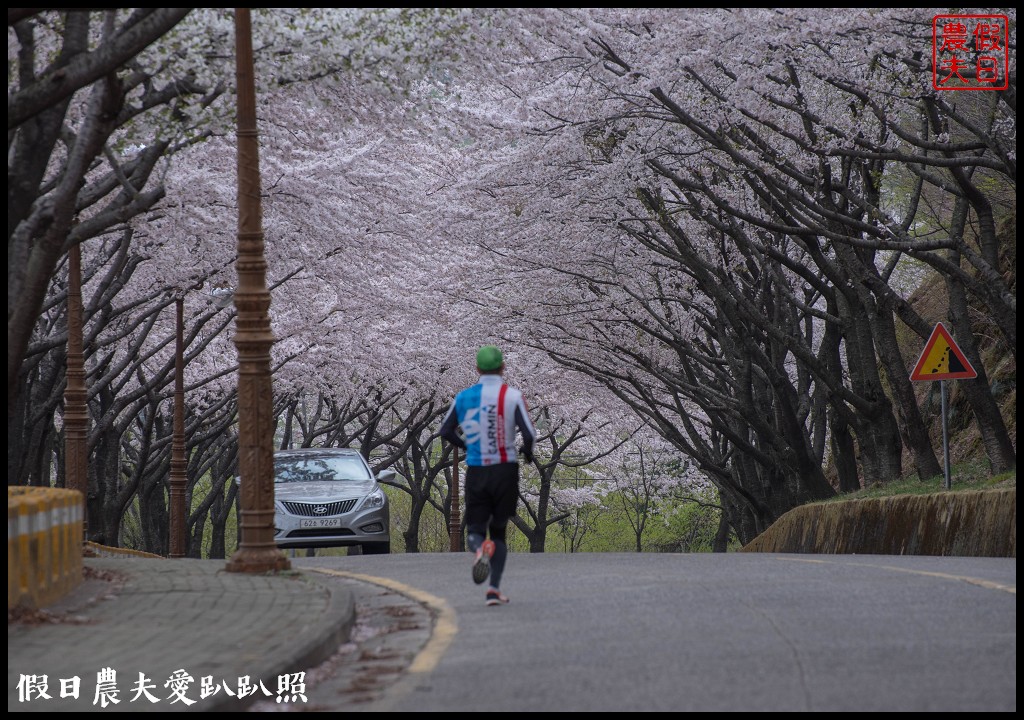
(483, 420)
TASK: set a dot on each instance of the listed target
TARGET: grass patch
(965, 478)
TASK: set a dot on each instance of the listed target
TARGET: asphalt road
(654, 632)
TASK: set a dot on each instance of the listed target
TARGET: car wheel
(383, 548)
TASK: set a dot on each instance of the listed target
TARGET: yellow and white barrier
(44, 545)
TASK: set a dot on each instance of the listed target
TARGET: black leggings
(492, 492)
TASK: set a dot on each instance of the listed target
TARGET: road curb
(314, 644)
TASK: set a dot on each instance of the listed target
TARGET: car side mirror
(386, 476)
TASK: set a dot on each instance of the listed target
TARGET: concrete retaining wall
(44, 545)
(981, 524)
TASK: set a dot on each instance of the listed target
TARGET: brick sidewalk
(158, 617)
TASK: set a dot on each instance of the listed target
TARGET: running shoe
(495, 597)
(482, 562)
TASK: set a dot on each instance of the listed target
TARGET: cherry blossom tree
(717, 239)
(645, 476)
(563, 443)
(98, 100)
(717, 234)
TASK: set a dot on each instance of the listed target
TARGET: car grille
(309, 509)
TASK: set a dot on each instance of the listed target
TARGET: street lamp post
(257, 551)
(76, 414)
(179, 477)
(455, 523)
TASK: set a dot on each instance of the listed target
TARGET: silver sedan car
(329, 498)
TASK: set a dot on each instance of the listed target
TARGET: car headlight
(375, 499)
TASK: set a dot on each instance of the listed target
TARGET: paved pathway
(160, 617)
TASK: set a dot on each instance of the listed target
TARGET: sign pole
(942, 360)
(945, 435)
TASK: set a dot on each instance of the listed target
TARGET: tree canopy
(698, 233)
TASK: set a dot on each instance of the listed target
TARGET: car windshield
(321, 469)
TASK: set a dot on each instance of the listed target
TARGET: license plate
(320, 523)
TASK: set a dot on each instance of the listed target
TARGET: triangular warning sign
(942, 359)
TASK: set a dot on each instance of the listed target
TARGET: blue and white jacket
(483, 420)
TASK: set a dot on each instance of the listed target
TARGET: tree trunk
(844, 453)
(195, 541)
(218, 518)
(740, 517)
(876, 430)
(104, 470)
(994, 437)
(721, 541)
(412, 532)
(908, 414)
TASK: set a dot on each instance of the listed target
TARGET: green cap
(489, 359)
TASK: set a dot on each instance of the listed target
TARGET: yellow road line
(445, 625)
(990, 585)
